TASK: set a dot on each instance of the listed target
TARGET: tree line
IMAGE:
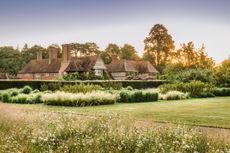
(159, 49)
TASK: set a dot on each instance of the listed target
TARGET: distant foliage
(52, 86)
(222, 74)
(178, 73)
(80, 88)
(80, 99)
(194, 88)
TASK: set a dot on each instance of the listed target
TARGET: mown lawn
(213, 112)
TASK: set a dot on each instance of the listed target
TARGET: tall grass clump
(174, 95)
(80, 88)
(80, 99)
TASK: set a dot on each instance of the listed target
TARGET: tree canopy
(159, 47)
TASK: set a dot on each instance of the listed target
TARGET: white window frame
(98, 72)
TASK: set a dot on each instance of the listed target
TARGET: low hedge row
(222, 92)
(52, 85)
(127, 96)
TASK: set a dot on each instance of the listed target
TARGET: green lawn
(214, 112)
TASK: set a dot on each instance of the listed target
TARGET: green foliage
(80, 99)
(75, 76)
(10, 60)
(159, 47)
(127, 96)
(52, 86)
(129, 52)
(88, 48)
(26, 99)
(80, 88)
(194, 88)
(222, 92)
(189, 56)
(5, 97)
(26, 90)
(222, 74)
(178, 73)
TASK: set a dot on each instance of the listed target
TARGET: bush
(178, 73)
(174, 95)
(80, 99)
(26, 99)
(6, 97)
(222, 92)
(26, 90)
(194, 88)
(127, 96)
(80, 88)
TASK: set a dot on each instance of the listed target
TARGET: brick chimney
(66, 48)
(39, 55)
(52, 53)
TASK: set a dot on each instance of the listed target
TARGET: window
(38, 76)
(99, 73)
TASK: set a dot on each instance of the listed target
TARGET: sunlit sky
(45, 22)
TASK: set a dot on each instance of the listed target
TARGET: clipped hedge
(136, 84)
(222, 92)
(127, 96)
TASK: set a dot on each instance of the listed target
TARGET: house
(122, 69)
(48, 69)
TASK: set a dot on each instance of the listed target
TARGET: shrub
(194, 88)
(26, 90)
(80, 99)
(80, 88)
(174, 95)
(222, 92)
(6, 97)
(26, 99)
(137, 96)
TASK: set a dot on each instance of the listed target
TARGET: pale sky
(45, 22)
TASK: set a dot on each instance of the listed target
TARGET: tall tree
(222, 74)
(189, 56)
(159, 47)
(129, 52)
(88, 48)
(10, 60)
(113, 49)
(31, 53)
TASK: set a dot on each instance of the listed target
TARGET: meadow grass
(27, 130)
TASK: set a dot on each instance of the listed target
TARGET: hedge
(136, 84)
